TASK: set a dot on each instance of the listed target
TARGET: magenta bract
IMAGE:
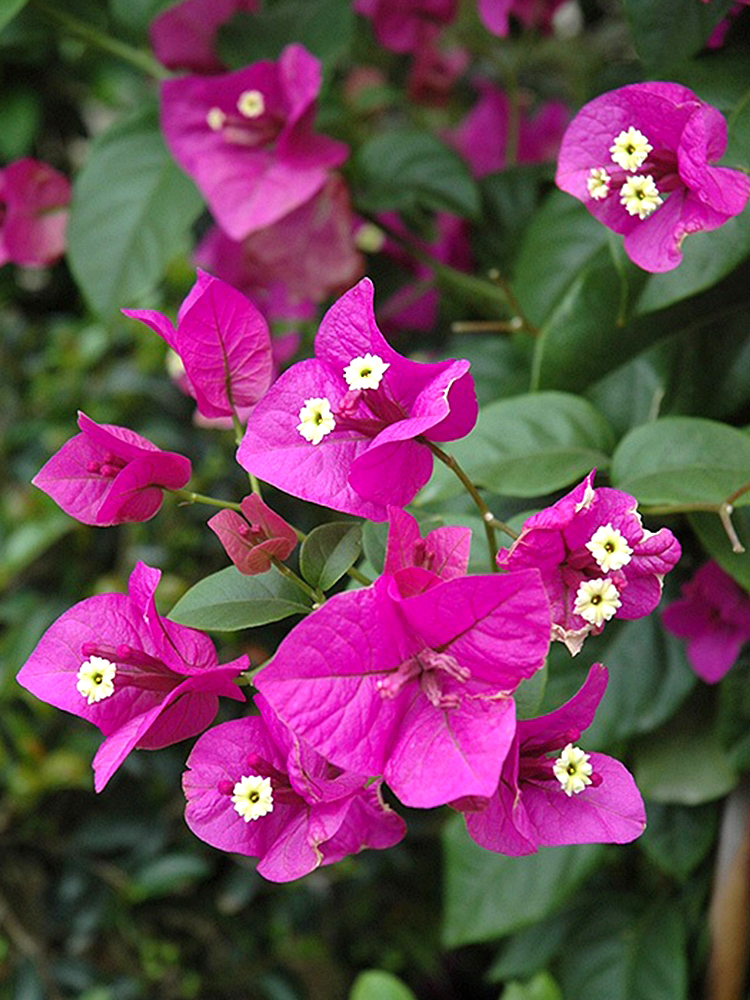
(310, 253)
(183, 37)
(349, 427)
(143, 680)
(640, 157)
(596, 560)
(223, 343)
(310, 813)
(420, 563)
(531, 809)
(253, 538)
(406, 25)
(246, 139)
(33, 213)
(110, 475)
(416, 688)
(495, 14)
(714, 616)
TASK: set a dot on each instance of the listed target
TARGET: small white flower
(366, 372)
(215, 119)
(610, 548)
(252, 797)
(95, 679)
(251, 104)
(572, 770)
(640, 196)
(316, 420)
(598, 183)
(630, 149)
(597, 601)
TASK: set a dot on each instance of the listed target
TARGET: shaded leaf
(324, 27)
(227, 601)
(378, 985)
(677, 838)
(329, 551)
(715, 541)
(666, 32)
(9, 9)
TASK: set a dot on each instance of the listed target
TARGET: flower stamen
(316, 420)
(573, 770)
(640, 195)
(95, 679)
(597, 601)
(610, 548)
(251, 104)
(598, 183)
(365, 372)
(630, 149)
(252, 797)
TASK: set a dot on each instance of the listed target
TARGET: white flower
(252, 797)
(316, 420)
(640, 195)
(630, 149)
(597, 601)
(215, 119)
(366, 372)
(95, 679)
(598, 183)
(572, 770)
(610, 548)
(251, 104)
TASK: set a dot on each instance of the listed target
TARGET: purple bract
(246, 139)
(416, 688)
(350, 428)
(253, 538)
(714, 616)
(143, 680)
(596, 560)
(639, 158)
(552, 793)
(406, 25)
(255, 789)
(33, 213)
(110, 475)
(183, 37)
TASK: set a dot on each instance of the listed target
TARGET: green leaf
(624, 954)
(561, 239)
(533, 948)
(532, 444)
(406, 168)
(509, 201)
(715, 541)
(329, 551)
(684, 762)
(541, 987)
(227, 601)
(30, 540)
(378, 985)
(9, 9)
(666, 32)
(682, 460)
(374, 541)
(324, 27)
(168, 874)
(130, 216)
(488, 895)
(529, 694)
(137, 15)
(678, 838)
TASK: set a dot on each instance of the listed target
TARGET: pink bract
(419, 563)
(246, 139)
(33, 213)
(319, 814)
(310, 253)
(416, 688)
(555, 542)
(376, 453)
(685, 136)
(166, 677)
(110, 475)
(714, 616)
(406, 25)
(482, 137)
(183, 37)
(530, 808)
(253, 538)
(495, 14)
(223, 343)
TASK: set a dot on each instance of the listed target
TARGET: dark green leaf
(138, 14)
(167, 874)
(677, 838)
(625, 954)
(402, 169)
(378, 985)
(533, 948)
(682, 460)
(684, 762)
(227, 601)
(666, 32)
(488, 895)
(529, 694)
(374, 540)
(509, 200)
(324, 27)
(131, 214)
(9, 9)
(541, 987)
(329, 551)
(716, 542)
(532, 444)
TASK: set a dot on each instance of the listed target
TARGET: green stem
(317, 595)
(190, 496)
(723, 510)
(355, 574)
(138, 58)
(489, 521)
